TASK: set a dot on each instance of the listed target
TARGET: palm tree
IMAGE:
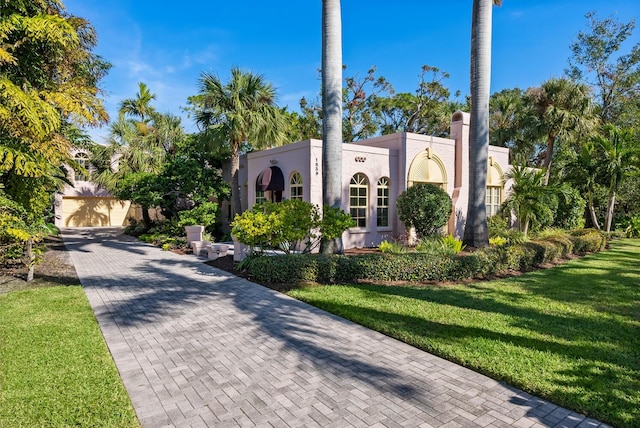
(332, 112)
(476, 232)
(621, 153)
(140, 106)
(560, 110)
(583, 172)
(241, 111)
(529, 198)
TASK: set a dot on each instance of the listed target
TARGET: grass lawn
(570, 334)
(55, 369)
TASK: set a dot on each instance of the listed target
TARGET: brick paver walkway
(198, 347)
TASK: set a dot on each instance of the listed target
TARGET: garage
(93, 211)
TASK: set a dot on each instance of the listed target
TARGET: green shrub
(630, 226)
(570, 211)
(498, 225)
(424, 207)
(203, 214)
(497, 240)
(420, 267)
(334, 222)
(588, 241)
(452, 244)
(392, 247)
(430, 245)
(560, 238)
(294, 226)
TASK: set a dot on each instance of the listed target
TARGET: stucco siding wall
(375, 163)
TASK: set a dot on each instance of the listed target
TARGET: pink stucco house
(374, 172)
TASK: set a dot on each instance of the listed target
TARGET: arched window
(495, 187)
(82, 159)
(427, 167)
(296, 186)
(383, 202)
(260, 196)
(358, 199)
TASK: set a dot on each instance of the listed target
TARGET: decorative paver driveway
(198, 347)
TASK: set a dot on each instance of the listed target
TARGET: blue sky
(168, 44)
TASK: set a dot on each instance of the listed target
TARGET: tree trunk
(146, 218)
(592, 212)
(476, 233)
(235, 182)
(31, 260)
(548, 156)
(332, 113)
(610, 206)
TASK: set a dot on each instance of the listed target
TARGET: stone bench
(215, 251)
(199, 246)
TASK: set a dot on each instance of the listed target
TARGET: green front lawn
(570, 334)
(55, 369)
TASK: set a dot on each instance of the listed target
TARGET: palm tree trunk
(235, 182)
(610, 206)
(592, 212)
(332, 112)
(547, 159)
(476, 233)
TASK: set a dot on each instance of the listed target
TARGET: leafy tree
(48, 86)
(560, 110)
(48, 78)
(332, 113)
(359, 98)
(304, 125)
(241, 111)
(507, 112)
(476, 233)
(427, 112)
(190, 177)
(596, 60)
(424, 207)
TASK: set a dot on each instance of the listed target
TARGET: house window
(296, 186)
(260, 196)
(493, 200)
(383, 202)
(358, 197)
(82, 159)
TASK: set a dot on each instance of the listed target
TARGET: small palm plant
(530, 199)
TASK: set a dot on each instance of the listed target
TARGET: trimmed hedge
(417, 267)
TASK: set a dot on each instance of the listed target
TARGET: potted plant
(195, 219)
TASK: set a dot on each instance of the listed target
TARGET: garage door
(83, 211)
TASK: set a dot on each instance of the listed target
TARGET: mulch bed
(55, 268)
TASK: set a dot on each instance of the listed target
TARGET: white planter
(240, 251)
(194, 233)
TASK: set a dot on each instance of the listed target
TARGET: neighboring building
(85, 204)
(374, 172)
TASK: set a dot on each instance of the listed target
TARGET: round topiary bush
(424, 207)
